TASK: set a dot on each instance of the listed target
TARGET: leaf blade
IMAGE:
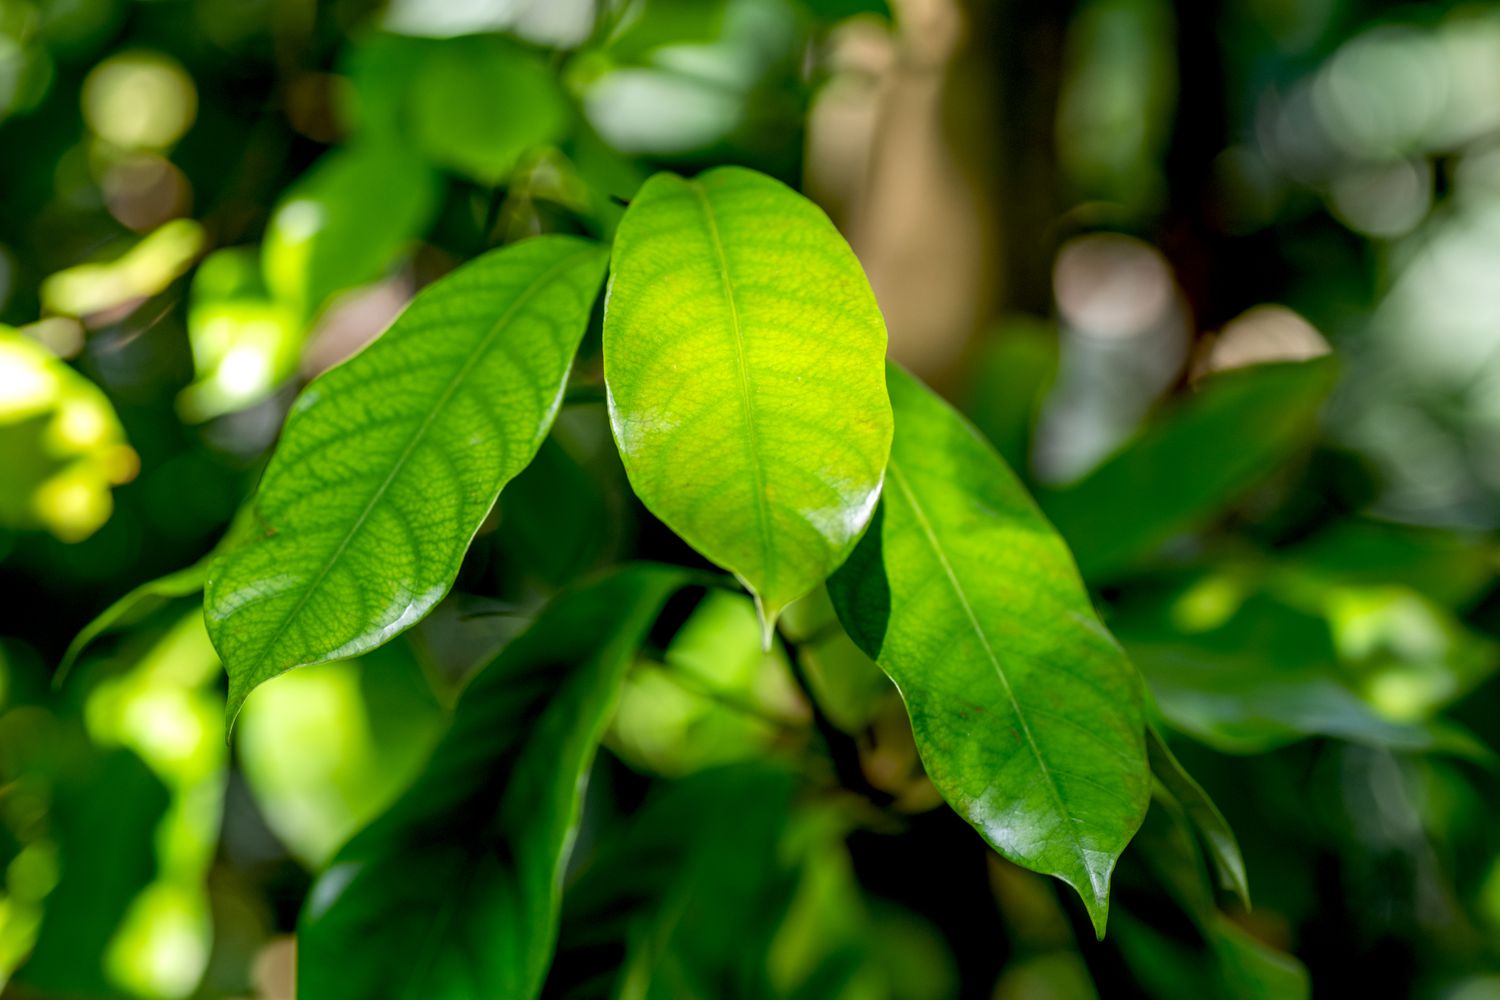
(390, 462)
(963, 631)
(743, 356)
(469, 861)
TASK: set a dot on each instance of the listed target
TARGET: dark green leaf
(743, 352)
(1182, 469)
(681, 894)
(1222, 848)
(390, 462)
(454, 892)
(1027, 715)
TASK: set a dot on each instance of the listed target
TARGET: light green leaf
(390, 462)
(1222, 848)
(1027, 715)
(455, 892)
(743, 353)
(1182, 469)
(343, 222)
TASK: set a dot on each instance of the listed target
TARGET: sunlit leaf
(62, 447)
(343, 222)
(714, 697)
(454, 892)
(140, 272)
(390, 462)
(245, 342)
(1182, 469)
(327, 749)
(744, 356)
(105, 811)
(1027, 715)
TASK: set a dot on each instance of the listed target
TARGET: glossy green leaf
(1182, 469)
(390, 462)
(743, 351)
(344, 221)
(1027, 714)
(454, 893)
(1218, 839)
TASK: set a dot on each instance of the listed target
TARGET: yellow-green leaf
(390, 462)
(743, 350)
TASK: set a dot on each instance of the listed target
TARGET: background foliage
(1217, 280)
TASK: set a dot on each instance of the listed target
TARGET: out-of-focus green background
(1106, 228)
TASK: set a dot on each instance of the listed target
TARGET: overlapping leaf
(454, 892)
(743, 351)
(1027, 715)
(390, 462)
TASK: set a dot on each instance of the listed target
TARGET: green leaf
(454, 892)
(681, 894)
(479, 103)
(743, 354)
(1221, 846)
(390, 462)
(1027, 715)
(1181, 470)
(136, 605)
(343, 222)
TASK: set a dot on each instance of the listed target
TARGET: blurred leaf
(343, 222)
(555, 521)
(390, 462)
(479, 103)
(684, 899)
(61, 445)
(743, 347)
(1218, 839)
(167, 707)
(1449, 567)
(105, 811)
(1027, 714)
(1264, 677)
(245, 343)
(563, 23)
(326, 749)
(147, 268)
(715, 697)
(850, 687)
(1254, 971)
(1185, 467)
(1012, 378)
(455, 891)
(1233, 964)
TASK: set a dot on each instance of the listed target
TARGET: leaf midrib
(936, 545)
(747, 406)
(483, 347)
